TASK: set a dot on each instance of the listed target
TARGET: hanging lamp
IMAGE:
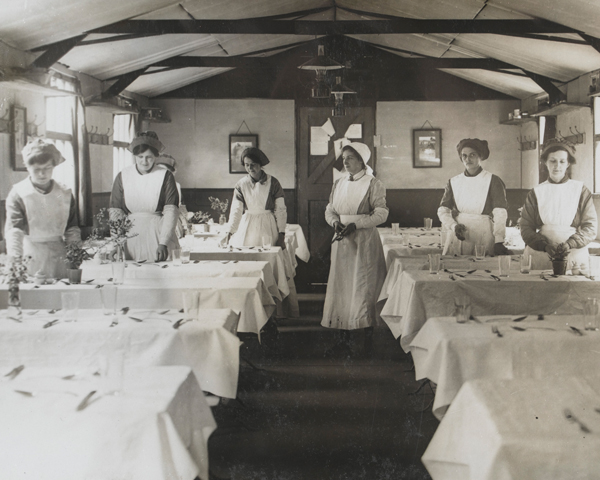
(338, 91)
(320, 64)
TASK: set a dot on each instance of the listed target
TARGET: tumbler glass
(463, 309)
(504, 265)
(525, 263)
(434, 263)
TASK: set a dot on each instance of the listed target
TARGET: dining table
(61, 423)
(501, 347)
(208, 345)
(419, 295)
(521, 428)
(247, 296)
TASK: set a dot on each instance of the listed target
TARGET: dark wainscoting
(408, 207)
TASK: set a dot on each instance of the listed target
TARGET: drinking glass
(70, 305)
(185, 256)
(595, 265)
(590, 314)
(463, 309)
(504, 265)
(405, 239)
(108, 293)
(479, 252)
(395, 228)
(191, 304)
(176, 254)
(525, 263)
(267, 241)
(118, 271)
(434, 263)
(113, 363)
(428, 222)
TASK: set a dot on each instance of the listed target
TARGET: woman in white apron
(41, 213)
(559, 211)
(474, 204)
(258, 207)
(356, 206)
(148, 196)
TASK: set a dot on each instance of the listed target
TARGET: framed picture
(237, 144)
(427, 148)
(18, 137)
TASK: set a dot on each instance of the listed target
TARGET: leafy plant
(116, 228)
(14, 271)
(199, 217)
(560, 253)
(77, 254)
(217, 205)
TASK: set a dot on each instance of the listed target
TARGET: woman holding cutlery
(356, 206)
(474, 204)
(148, 195)
(559, 211)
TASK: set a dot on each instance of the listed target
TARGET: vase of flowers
(200, 220)
(75, 255)
(221, 207)
(114, 233)
(15, 272)
(559, 260)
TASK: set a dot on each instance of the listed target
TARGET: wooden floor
(305, 416)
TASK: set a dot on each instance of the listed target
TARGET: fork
(496, 331)
(573, 419)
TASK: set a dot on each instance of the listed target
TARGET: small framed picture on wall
(427, 148)
(18, 137)
(237, 144)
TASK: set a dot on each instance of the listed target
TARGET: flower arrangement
(217, 205)
(14, 271)
(77, 253)
(117, 228)
(198, 217)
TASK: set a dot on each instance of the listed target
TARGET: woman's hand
(162, 253)
(460, 230)
(550, 249)
(348, 230)
(338, 227)
(225, 240)
(281, 240)
(500, 249)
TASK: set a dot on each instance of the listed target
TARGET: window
(124, 130)
(59, 128)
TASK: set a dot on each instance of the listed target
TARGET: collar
(357, 176)
(565, 179)
(467, 174)
(45, 189)
(262, 179)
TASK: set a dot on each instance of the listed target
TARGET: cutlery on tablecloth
(496, 332)
(51, 322)
(179, 323)
(475, 319)
(86, 401)
(573, 419)
(89, 281)
(33, 313)
(53, 311)
(520, 319)
(164, 312)
(114, 323)
(18, 320)
(26, 393)
(576, 331)
(14, 372)
(518, 329)
(124, 310)
(136, 319)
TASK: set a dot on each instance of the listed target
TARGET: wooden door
(314, 174)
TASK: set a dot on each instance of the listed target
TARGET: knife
(86, 401)
(50, 323)
(14, 372)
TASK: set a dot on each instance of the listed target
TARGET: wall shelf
(559, 109)
(518, 121)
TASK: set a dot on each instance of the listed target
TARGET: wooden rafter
(592, 41)
(55, 52)
(555, 94)
(546, 38)
(122, 83)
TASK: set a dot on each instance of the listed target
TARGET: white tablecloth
(209, 346)
(450, 354)
(418, 295)
(157, 429)
(517, 429)
(246, 295)
(204, 268)
(417, 236)
(295, 232)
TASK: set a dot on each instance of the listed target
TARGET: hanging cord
(247, 127)
(426, 122)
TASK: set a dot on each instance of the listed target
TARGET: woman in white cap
(474, 204)
(356, 206)
(41, 214)
(258, 207)
(148, 195)
(559, 211)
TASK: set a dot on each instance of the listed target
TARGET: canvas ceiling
(30, 24)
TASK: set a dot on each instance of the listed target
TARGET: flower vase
(119, 253)
(14, 301)
(74, 275)
(222, 219)
(559, 267)
(205, 227)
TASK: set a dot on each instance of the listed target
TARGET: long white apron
(256, 221)
(141, 194)
(470, 195)
(47, 218)
(557, 205)
(358, 268)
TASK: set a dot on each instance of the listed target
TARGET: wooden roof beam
(345, 27)
(55, 52)
(122, 83)
(592, 41)
(555, 94)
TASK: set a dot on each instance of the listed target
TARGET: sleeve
(170, 209)
(497, 199)
(117, 198)
(72, 233)
(587, 227)
(169, 195)
(531, 222)
(331, 216)
(277, 200)
(16, 226)
(379, 209)
(237, 209)
(444, 211)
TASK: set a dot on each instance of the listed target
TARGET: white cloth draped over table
(357, 264)
(141, 195)
(265, 214)
(470, 196)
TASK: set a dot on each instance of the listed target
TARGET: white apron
(141, 194)
(358, 268)
(256, 221)
(557, 205)
(470, 195)
(47, 217)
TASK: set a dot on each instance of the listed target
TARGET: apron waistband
(346, 219)
(55, 238)
(145, 214)
(257, 211)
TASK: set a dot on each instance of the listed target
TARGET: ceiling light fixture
(338, 91)
(320, 64)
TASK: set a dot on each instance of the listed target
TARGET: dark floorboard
(307, 417)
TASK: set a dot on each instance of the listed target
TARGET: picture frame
(18, 137)
(237, 144)
(427, 148)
